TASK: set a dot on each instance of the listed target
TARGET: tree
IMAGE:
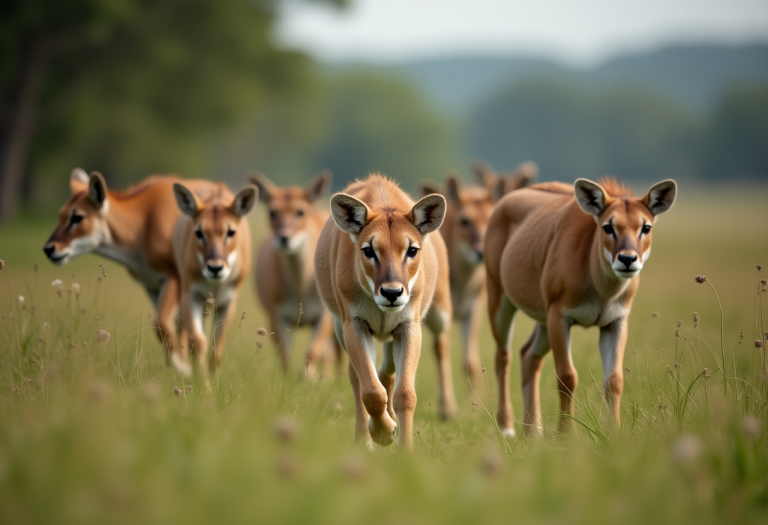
(129, 86)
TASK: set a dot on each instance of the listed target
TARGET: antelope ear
(590, 196)
(188, 202)
(78, 180)
(97, 189)
(428, 213)
(485, 174)
(244, 200)
(350, 214)
(262, 182)
(318, 185)
(428, 187)
(500, 189)
(523, 176)
(661, 196)
(453, 188)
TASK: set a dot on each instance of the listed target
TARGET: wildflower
(103, 270)
(2, 264)
(259, 344)
(677, 331)
(695, 319)
(286, 429)
(210, 301)
(75, 288)
(242, 317)
(56, 283)
(750, 425)
(741, 338)
(261, 331)
(177, 391)
(27, 380)
(705, 373)
(627, 370)
(662, 406)
(758, 343)
(103, 336)
(701, 279)
(763, 282)
(759, 267)
(686, 449)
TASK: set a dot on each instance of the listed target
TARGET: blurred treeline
(133, 87)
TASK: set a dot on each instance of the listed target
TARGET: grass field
(95, 431)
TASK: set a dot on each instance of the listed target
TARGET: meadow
(94, 428)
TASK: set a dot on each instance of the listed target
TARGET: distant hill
(693, 76)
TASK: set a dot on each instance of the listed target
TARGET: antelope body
(212, 251)
(381, 272)
(133, 228)
(464, 228)
(285, 265)
(566, 255)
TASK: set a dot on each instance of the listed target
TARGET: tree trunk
(18, 129)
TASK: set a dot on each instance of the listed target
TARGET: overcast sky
(580, 32)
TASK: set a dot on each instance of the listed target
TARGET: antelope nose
(391, 294)
(283, 240)
(215, 268)
(627, 260)
(49, 249)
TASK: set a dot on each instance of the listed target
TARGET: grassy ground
(91, 431)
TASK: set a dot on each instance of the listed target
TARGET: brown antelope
(464, 227)
(133, 228)
(567, 255)
(212, 251)
(381, 273)
(285, 265)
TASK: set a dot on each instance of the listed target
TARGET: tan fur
(212, 251)
(285, 266)
(464, 229)
(377, 287)
(548, 255)
(133, 228)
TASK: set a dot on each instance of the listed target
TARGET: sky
(578, 32)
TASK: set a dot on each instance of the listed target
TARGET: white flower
(21, 300)
(56, 283)
(75, 288)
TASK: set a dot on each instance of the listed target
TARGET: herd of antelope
(378, 267)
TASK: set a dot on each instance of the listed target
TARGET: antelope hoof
(382, 430)
(508, 433)
(180, 366)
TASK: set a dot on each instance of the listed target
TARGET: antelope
(212, 250)
(567, 255)
(381, 274)
(464, 227)
(132, 228)
(285, 265)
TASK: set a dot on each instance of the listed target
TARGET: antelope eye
(412, 252)
(199, 234)
(299, 213)
(464, 222)
(607, 228)
(368, 252)
(230, 233)
(272, 214)
(646, 229)
(76, 219)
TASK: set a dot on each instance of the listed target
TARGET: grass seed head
(103, 336)
(759, 267)
(177, 391)
(750, 425)
(261, 331)
(701, 279)
(210, 301)
(686, 449)
(758, 343)
(695, 319)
